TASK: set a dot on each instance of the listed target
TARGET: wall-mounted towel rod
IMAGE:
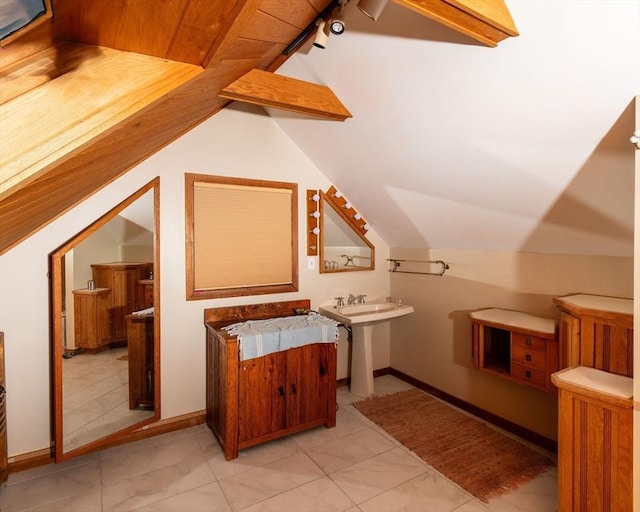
(396, 265)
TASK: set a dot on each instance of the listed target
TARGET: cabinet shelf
(516, 346)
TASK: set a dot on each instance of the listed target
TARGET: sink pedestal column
(362, 360)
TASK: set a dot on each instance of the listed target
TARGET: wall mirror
(342, 245)
(105, 327)
(242, 236)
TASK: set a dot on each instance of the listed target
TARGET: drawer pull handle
(294, 389)
(527, 342)
(281, 390)
(527, 357)
(527, 374)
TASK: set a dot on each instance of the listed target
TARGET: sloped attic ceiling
(523, 147)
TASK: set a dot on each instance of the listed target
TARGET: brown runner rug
(478, 458)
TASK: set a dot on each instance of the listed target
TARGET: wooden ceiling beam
(487, 22)
(277, 91)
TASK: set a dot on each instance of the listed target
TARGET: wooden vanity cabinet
(122, 278)
(595, 439)
(92, 319)
(516, 346)
(250, 402)
(597, 332)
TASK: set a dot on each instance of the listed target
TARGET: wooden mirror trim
(338, 207)
(57, 349)
(30, 25)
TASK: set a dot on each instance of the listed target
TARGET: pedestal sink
(361, 318)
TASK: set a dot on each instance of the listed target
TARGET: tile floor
(95, 397)
(354, 467)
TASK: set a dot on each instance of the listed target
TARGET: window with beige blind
(241, 236)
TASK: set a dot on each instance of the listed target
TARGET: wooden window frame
(30, 25)
(194, 293)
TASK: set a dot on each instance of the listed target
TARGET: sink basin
(362, 318)
(370, 313)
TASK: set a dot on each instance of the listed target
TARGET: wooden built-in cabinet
(92, 319)
(596, 331)
(122, 278)
(141, 358)
(516, 346)
(595, 436)
(250, 402)
(145, 293)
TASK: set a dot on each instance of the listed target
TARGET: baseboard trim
(43, 457)
(376, 373)
(498, 421)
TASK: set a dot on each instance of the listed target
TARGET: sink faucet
(361, 299)
(351, 300)
(340, 301)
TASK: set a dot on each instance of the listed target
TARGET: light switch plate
(311, 262)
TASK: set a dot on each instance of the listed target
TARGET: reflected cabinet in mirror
(340, 233)
(105, 340)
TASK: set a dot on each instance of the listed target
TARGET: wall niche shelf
(516, 346)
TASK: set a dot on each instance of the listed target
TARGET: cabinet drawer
(528, 357)
(528, 342)
(529, 375)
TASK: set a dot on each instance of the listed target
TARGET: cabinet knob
(322, 370)
(527, 374)
(527, 357)
(527, 341)
(281, 390)
(294, 389)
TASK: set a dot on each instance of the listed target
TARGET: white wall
(239, 142)
(434, 344)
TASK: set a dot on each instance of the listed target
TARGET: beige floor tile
(51, 487)
(208, 498)
(347, 422)
(30, 474)
(472, 506)
(429, 491)
(538, 495)
(88, 502)
(349, 450)
(378, 474)
(253, 457)
(318, 496)
(158, 485)
(259, 484)
(132, 464)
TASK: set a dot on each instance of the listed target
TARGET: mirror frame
(57, 349)
(357, 228)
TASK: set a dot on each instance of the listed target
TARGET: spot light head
(337, 24)
(322, 35)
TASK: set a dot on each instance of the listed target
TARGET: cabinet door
(261, 400)
(569, 340)
(124, 301)
(310, 376)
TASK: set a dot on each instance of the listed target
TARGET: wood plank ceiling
(101, 86)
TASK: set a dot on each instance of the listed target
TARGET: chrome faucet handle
(340, 301)
(352, 299)
(361, 299)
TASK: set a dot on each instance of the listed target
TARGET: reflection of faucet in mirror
(340, 237)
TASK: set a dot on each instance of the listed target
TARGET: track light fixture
(372, 8)
(322, 35)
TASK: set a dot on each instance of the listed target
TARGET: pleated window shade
(242, 236)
